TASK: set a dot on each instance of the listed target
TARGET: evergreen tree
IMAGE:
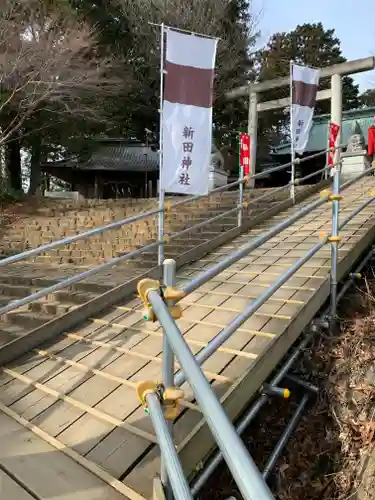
(308, 44)
(367, 98)
(124, 30)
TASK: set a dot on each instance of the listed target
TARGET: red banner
(334, 130)
(245, 153)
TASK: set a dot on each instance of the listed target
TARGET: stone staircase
(48, 220)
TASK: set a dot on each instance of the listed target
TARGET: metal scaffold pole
(161, 187)
(179, 486)
(168, 368)
(336, 117)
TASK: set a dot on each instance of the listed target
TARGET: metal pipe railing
(257, 242)
(292, 424)
(130, 220)
(71, 239)
(249, 247)
(242, 467)
(276, 380)
(178, 482)
(191, 286)
(239, 320)
(169, 279)
(15, 304)
(105, 265)
(335, 239)
(215, 461)
(254, 409)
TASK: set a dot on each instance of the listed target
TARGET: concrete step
(51, 307)
(15, 291)
(27, 320)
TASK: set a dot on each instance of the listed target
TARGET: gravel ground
(324, 457)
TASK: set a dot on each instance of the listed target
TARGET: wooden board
(12, 490)
(47, 472)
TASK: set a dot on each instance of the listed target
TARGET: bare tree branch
(49, 59)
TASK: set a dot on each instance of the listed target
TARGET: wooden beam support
(346, 68)
(322, 95)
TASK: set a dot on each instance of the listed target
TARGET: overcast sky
(353, 21)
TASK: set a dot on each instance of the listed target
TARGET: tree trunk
(13, 163)
(35, 170)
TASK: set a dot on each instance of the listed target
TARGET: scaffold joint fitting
(167, 205)
(171, 402)
(334, 239)
(171, 293)
(325, 193)
(143, 389)
(335, 197)
(144, 287)
(169, 398)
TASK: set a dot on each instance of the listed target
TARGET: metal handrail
(179, 484)
(239, 320)
(208, 274)
(194, 284)
(254, 244)
(144, 215)
(275, 381)
(229, 446)
(15, 304)
(241, 465)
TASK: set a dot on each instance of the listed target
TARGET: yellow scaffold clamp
(172, 295)
(169, 294)
(144, 287)
(168, 205)
(334, 239)
(169, 398)
(335, 197)
(172, 397)
(329, 237)
(331, 196)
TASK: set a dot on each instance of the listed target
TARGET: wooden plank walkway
(77, 394)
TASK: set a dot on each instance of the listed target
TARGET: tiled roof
(119, 156)
(319, 132)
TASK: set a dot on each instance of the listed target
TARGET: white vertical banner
(304, 87)
(187, 113)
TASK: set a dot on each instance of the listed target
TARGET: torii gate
(336, 72)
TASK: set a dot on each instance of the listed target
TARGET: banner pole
(292, 151)
(161, 218)
(240, 192)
